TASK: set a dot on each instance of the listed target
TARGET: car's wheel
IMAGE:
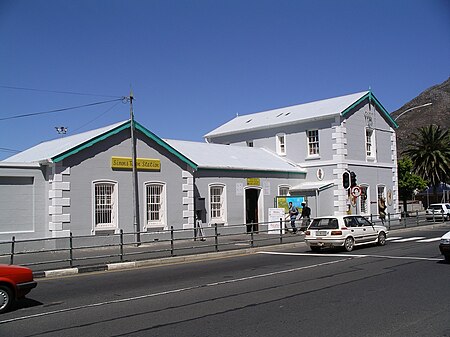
(349, 244)
(315, 249)
(6, 298)
(381, 239)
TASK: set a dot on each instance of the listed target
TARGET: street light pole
(413, 108)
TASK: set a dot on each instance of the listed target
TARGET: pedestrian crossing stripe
(415, 238)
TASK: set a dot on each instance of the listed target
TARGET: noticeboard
(283, 202)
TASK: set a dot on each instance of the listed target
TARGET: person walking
(305, 216)
(293, 212)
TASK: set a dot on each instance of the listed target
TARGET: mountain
(437, 113)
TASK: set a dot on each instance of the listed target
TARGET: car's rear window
(325, 223)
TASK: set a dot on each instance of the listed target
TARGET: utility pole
(134, 175)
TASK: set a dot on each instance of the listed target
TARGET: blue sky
(194, 65)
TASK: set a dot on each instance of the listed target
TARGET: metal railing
(87, 250)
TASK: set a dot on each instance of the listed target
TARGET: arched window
(283, 190)
(155, 204)
(105, 205)
(365, 199)
(217, 203)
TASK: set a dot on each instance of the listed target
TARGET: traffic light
(353, 179)
(346, 180)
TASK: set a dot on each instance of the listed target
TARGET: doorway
(251, 209)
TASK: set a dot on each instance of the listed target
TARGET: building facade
(82, 184)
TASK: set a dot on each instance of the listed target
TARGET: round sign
(356, 191)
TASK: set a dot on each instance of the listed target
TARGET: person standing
(305, 216)
(382, 209)
(293, 212)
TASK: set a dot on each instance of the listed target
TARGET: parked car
(437, 211)
(345, 231)
(444, 246)
(15, 283)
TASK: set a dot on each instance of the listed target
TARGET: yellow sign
(126, 163)
(253, 182)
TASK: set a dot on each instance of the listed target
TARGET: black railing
(84, 250)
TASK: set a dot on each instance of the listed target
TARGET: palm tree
(430, 153)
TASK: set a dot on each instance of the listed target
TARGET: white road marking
(355, 256)
(409, 239)
(393, 238)
(430, 240)
(93, 305)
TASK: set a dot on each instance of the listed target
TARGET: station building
(82, 184)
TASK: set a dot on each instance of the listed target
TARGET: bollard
(13, 243)
(251, 235)
(417, 217)
(389, 221)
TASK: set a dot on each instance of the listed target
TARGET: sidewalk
(152, 254)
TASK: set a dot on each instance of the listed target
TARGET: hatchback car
(345, 231)
(444, 246)
(15, 283)
(438, 211)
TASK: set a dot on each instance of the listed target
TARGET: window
(370, 143)
(281, 144)
(217, 203)
(313, 142)
(283, 190)
(250, 143)
(381, 192)
(155, 204)
(105, 205)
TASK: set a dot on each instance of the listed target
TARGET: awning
(312, 186)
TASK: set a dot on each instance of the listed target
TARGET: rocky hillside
(438, 113)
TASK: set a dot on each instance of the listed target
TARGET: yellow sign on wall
(253, 182)
(125, 163)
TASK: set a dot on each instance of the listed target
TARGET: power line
(56, 91)
(59, 110)
(107, 110)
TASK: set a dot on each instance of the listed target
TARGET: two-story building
(83, 184)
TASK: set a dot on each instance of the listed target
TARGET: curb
(159, 261)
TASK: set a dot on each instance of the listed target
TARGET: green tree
(430, 154)
(408, 182)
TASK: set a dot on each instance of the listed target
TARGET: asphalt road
(401, 289)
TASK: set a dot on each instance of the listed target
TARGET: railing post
(251, 235)
(417, 217)
(13, 244)
(171, 241)
(216, 238)
(371, 217)
(121, 245)
(281, 230)
(389, 221)
(70, 250)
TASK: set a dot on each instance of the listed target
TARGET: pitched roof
(295, 114)
(53, 148)
(232, 157)
(195, 154)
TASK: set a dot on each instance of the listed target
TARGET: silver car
(345, 231)
(438, 212)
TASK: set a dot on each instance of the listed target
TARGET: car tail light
(336, 233)
(307, 233)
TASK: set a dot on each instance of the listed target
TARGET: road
(401, 289)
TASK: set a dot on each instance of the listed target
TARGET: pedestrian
(305, 216)
(293, 212)
(382, 209)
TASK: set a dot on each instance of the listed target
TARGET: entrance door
(251, 209)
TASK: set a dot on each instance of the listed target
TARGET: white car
(438, 211)
(345, 231)
(444, 246)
